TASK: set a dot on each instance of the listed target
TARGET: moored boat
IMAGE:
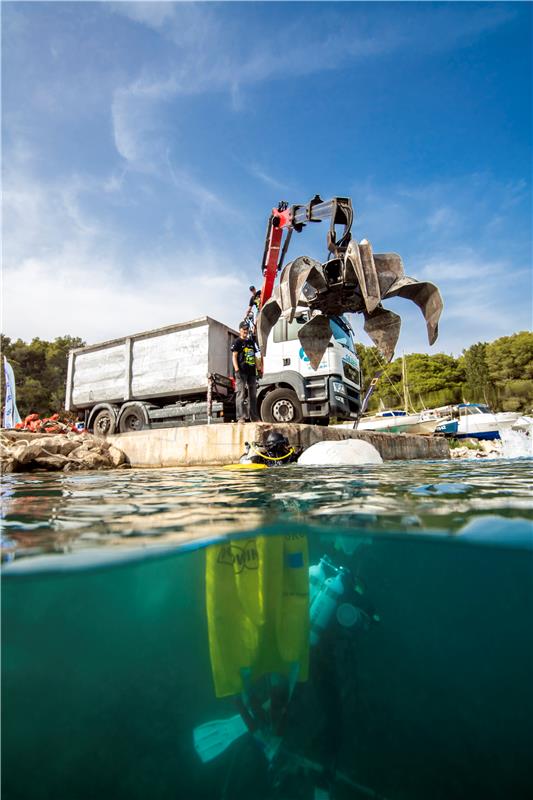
(476, 421)
(400, 422)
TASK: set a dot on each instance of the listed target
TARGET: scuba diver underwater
(278, 628)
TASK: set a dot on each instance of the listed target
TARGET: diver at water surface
(275, 451)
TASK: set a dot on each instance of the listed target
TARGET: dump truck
(182, 374)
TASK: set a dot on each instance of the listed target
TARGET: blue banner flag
(11, 414)
(370, 391)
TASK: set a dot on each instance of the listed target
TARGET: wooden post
(209, 399)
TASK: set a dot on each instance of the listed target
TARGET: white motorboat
(400, 422)
(476, 421)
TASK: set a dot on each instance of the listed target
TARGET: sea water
(106, 664)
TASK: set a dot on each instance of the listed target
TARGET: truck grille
(352, 373)
(354, 399)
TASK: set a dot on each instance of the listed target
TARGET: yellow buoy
(245, 466)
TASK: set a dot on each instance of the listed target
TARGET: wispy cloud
(214, 53)
(264, 175)
(76, 271)
(135, 120)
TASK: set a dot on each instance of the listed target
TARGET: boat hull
(478, 426)
(410, 423)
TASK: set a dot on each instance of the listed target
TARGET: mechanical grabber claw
(355, 280)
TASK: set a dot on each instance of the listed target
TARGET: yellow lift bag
(257, 597)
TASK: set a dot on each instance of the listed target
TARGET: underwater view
(295, 633)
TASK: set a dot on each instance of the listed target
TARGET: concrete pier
(205, 445)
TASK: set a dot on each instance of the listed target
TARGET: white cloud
(134, 115)
(75, 293)
(67, 272)
(463, 264)
(153, 14)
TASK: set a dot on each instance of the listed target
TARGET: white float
(345, 451)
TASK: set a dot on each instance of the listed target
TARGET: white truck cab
(292, 391)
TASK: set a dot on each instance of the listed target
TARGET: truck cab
(292, 391)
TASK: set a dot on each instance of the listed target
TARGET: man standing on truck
(253, 305)
(246, 360)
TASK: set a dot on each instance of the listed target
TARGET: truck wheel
(132, 419)
(281, 405)
(104, 423)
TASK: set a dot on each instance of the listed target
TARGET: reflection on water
(60, 512)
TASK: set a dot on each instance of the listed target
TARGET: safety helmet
(275, 439)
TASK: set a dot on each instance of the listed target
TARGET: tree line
(40, 369)
(499, 373)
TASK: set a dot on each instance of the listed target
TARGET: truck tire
(132, 419)
(281, 405)
(104, 423)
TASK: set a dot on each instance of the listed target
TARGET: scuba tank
(326, 596)
(317, 576)
(328, 587)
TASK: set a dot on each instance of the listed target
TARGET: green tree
(477, 380)
(511, 357)
(369, 361)
(40, 369)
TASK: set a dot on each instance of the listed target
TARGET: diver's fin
(212, 738)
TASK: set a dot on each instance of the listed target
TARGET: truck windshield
(342, 334)
(288, 331)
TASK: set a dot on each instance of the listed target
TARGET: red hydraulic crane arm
(280, 219)
(338, 210)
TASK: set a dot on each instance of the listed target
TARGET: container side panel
(99, 376)
(220, 340)
(170, 363)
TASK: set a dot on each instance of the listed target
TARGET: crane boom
(284, 218)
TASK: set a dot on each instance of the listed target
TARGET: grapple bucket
(357, 282)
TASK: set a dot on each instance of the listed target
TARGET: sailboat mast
(405, 388)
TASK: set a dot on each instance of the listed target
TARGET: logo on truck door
(323, 364)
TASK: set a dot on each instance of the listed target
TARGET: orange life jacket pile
(46, 425)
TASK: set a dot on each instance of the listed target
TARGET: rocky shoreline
(21, 451)
(478, 448)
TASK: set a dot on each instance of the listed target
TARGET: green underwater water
(106, 667)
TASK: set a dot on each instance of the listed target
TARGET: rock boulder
(24, 452)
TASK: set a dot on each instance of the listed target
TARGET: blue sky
(144, 145)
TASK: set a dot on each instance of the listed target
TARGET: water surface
(106, 664)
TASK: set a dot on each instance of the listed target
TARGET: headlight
(339, 387)
(340, 398)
